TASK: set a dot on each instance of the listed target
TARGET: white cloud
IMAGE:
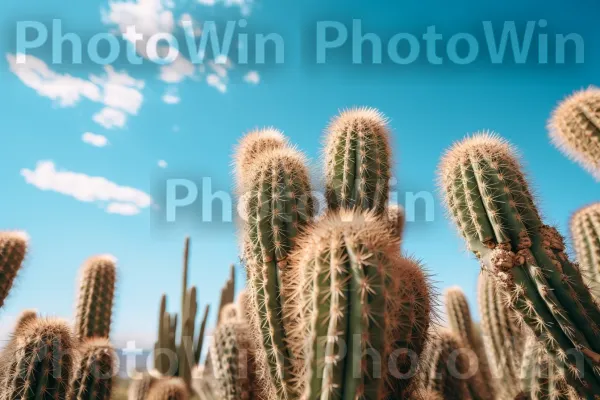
(110, 118)
(252, 77)
(121, 90)
(94, 140)
(162, 163)
(91, 189)
(171, 98)
(187, 19)
(177, 71)
(217, 82)
(148, 16)
(244, 5)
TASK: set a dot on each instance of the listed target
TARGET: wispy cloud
(217, 82)
(177, 71)
(252, 77)
(162, 163)
(94, 140)
(110, 118)
(112, 197)
(171, 96)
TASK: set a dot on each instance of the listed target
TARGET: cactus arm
(200, 340)
(13, 248)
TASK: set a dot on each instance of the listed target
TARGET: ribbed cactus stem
(38, 362)
(489, 199)
(169, 389)
(95, 371)
(279, 205)
(585, 229)
(140, 387)
(445, 366)
(25, 318)
(232, 356)
(502, 336)
(575, 129)
(360, 298)
(357, 160)
(96, 296)
(13, 247)
(481, 385)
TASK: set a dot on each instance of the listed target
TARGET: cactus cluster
(95, 370)
(585, 230)
(575, 128)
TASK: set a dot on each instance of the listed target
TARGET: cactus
(360, 298)
(169, 389)
(38, 362)
(541, 377)
(502, 336)
(13, 247)
(489, 199)
(25, 318)
(189, 347)
(397, 219)
(357, 161)
(232, 357)
(229, 312)
(227, 293)
(445, 366)
(481, 385)
(575, 129)
(94, 372)
(585, 229)
(96, 295)
(140, 387)
(278, 206)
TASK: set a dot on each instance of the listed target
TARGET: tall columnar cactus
(585, 229)
(169, 389)
(488, 197)
(95, 371)
(445, 366)
(541, 377)
(360, 298)
(96, 296)
(502, 336)
(189, 347)
(575, 129)
(481, 385)
(227, 293)
(140, 387)
(278, 205)
(38, 362)
(13, 247)
(232, 356)
(357, 161)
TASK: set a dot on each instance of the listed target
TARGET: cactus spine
(502, 337)
(189, 347)
(96, 295)
(278, 205)
(357, 161)
(169, 389)
(459, 315)
(360, 298)
(575, 129)
(397, 219)
(233, 360)
(444, 361)
(25, 318)
(38, 362)
(489, 199)
(13, 247)
(585, 229)
(94, 372)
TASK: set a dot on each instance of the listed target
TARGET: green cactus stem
(585, 230)
(95, 371)
(13, 248)
(488, 197)
(96, 296)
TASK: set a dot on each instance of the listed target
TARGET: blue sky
(88, 148)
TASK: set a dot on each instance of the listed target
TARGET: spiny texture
(459, 315)
(279, 205)
(232, 356)
(502, 336)
(229, 312)
(446, 366)
(140, 387)
(96, 295)
(95, 370)
(541, 377)
(360, 298)
(38, 362)
(575, 129)
(357, 160)
(585, 229)
(397, 219)
(13, 247)
(25, 318)
(489, 199)
(250, 147)
(169, 389)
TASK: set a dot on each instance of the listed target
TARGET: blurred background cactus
(13, 247)
(585, 230)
